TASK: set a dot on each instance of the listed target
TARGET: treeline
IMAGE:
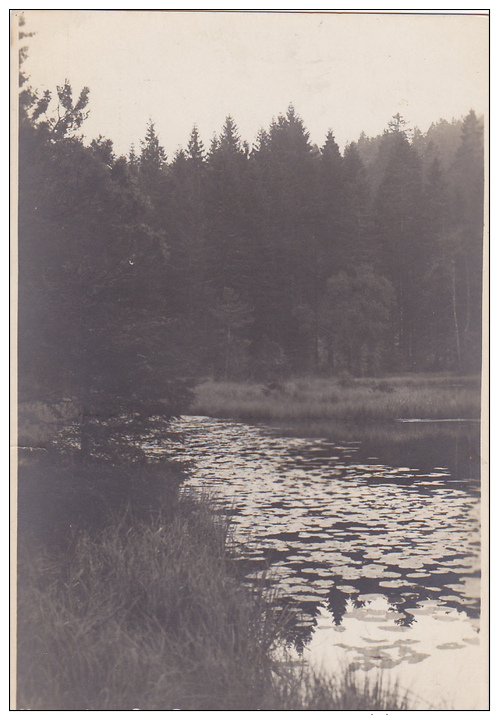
(238, 261)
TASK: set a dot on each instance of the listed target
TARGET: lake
(374, 541)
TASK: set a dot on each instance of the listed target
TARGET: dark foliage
(135, 272)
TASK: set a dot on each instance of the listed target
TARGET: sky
(345, 72)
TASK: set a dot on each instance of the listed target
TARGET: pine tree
(133, 159)
(361, 250)
(293, 236)
(152, 155)
(398, 125)
(153, 178)
(195, 148)
(398, 232)
(436, 344)
(226, 210)
(332, 207)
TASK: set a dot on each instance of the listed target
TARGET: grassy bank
(345, 399)
(148, 611)
(145, 615)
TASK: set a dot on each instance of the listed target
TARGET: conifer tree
(398, 212)
(332, 208)
(195, 148)
(358, 213)
(152, 155)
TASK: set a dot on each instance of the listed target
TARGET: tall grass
(149, 613)
(129, 597)
(353, 400)
(308, 689)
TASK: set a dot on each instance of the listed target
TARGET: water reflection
(435, 658)
(452, 448)
(376, 539)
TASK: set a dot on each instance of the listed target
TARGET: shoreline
(358, 401)
(145, 609)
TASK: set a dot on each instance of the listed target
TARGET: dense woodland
(242, 261)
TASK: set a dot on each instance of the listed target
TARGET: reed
(144, 615)
(309, 689)
(353, 400)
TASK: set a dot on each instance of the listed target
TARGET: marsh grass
(149, 613)
(146, 614)
(357, 400)
(309, 689)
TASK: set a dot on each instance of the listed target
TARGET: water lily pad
(391, 583)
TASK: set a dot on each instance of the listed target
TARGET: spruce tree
(398, 233)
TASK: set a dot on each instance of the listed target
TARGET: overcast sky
(347, 72)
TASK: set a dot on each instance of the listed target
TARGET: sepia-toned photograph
(250, 309)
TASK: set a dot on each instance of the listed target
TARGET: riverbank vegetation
(343, 399)
(143, 614)
(143, 606)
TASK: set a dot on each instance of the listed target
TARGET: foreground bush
(149, 613)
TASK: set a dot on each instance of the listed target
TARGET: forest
(243, 262)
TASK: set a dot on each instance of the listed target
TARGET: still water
(375, 543)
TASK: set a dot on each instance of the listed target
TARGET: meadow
(342, 399)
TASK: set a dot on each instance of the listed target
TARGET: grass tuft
(308, 689)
